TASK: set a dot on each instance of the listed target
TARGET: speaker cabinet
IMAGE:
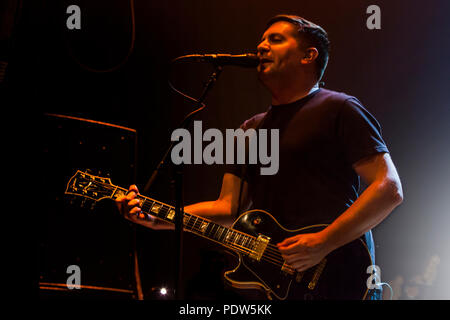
(92, 248)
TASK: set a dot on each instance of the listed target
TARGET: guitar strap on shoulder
(245, 168)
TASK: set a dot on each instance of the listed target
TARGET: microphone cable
(180, 92)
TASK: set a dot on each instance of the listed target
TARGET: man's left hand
(303, 251)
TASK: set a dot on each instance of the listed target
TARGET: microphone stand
(177, 182)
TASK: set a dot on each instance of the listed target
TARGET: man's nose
(262, 47)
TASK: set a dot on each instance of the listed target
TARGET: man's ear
(311, 55)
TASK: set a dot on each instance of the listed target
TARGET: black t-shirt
(320, 137)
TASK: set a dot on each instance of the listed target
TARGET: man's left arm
(383, 194)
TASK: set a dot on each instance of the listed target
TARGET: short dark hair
(312, 34)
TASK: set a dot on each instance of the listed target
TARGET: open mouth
(264, 61)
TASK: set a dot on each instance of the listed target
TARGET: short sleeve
(240, 170)
(359, 133)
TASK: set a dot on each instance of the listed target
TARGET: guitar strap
(245, 167)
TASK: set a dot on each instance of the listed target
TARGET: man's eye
(276, 39)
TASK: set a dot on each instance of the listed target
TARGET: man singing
(327, 142)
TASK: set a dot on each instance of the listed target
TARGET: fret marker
(156, 208)
(171, 214)
(204, 226)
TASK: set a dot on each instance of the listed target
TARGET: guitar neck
(200, 226)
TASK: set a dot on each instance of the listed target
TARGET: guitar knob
(256, 221)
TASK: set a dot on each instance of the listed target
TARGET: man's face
(279, 51)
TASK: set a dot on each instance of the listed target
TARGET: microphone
(246, 60)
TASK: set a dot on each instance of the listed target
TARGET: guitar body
(342, 276)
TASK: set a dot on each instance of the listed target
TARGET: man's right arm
(222, 211)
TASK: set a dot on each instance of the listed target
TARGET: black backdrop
(400, 73)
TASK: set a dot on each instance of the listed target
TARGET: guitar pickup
(259, 247)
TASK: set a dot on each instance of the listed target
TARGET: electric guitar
(340, 275)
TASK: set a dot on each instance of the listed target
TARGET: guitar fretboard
(203, 227)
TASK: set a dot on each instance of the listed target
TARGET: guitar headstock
(89, 186)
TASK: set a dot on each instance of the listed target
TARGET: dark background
(400, 73)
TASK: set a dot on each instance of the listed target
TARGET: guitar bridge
(259, 248)
(287, 269)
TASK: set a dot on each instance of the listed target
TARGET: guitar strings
(192, 226)
(271, 251)
(271, 254)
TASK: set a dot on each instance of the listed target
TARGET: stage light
(163, 291)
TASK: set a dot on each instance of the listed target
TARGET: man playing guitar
(328, 140)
